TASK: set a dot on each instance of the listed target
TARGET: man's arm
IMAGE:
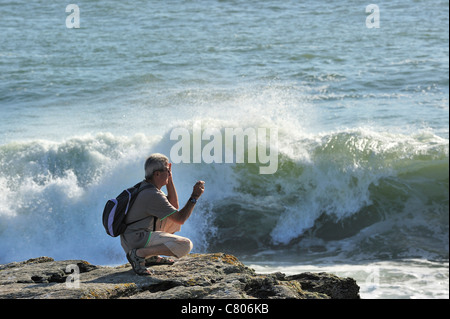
(183, 214)
(171, 191)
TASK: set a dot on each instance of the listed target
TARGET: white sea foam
(54, 192)
(412, 279)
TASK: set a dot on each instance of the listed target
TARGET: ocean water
(361, 117)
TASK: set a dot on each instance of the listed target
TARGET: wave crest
(355, 192)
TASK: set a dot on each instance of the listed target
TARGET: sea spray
(357, 193)
(226, 145)
(55, 192)
(350, 193)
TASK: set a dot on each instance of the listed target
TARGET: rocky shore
(196, 276)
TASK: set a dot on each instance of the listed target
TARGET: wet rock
(196, 276)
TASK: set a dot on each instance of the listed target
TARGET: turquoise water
(361, 117)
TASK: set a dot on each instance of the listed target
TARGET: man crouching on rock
(154, 218)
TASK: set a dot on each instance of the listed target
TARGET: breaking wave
(356, 193)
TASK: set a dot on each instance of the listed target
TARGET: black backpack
(116, 210)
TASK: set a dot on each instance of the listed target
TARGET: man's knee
(184, 246)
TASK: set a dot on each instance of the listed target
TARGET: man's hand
(170, 172)
(172, 195)
(186, 211)
(198, 190)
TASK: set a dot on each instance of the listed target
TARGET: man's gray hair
(155, 162)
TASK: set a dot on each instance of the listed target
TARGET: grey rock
(196, 276)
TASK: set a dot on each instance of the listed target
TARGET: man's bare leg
(154, 251)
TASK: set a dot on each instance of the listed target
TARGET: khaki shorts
(178, 245)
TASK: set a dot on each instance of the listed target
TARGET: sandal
(136, 263)
(158, 260)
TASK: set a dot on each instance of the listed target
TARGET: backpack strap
(138, 186)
